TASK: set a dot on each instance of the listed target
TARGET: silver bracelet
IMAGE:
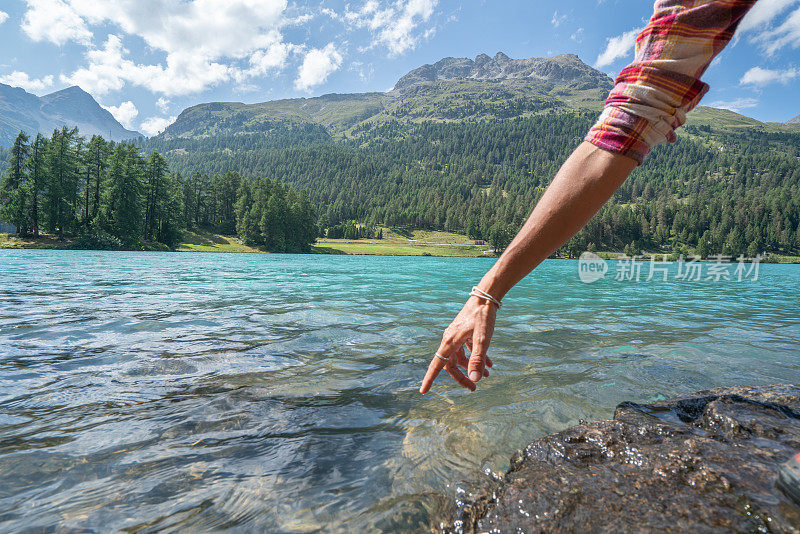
(486, 296)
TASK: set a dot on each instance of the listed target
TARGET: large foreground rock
(703, 463)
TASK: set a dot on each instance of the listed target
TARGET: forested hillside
(469, 146)
(107, 195)
(716, 190)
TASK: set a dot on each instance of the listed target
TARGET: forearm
(649, 101)
(580, 188)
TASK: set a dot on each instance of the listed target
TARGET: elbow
(644, 109)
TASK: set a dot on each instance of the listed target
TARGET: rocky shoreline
(706, 462)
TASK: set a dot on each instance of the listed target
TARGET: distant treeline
(108, 195)
(714, 191)
(350, 230)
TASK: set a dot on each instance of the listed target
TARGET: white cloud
(759, 76)
(155, 125)
(577, 36)
(558, 19)
(246, 88)
(762, 13)
(365, 72)
(395, 25)
(274, 57)
(317, 65)
(787, 34)
(162, 104)
(330, 13)
(204, 42)
(105, 70)
(124, 113)
(55, 21)
(735, 105)
(3, 16)
(21, 79)
(301, 19)
(210, 28)
(761, 22)
(109, 70)
(617, 47)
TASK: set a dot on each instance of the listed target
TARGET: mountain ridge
(71, 107)
(452, 89)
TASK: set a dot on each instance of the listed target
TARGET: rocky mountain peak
(70, 94)
(566, 69)
(23, 111)
(482, 59)
(71, 90)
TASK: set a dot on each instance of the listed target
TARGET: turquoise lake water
(178, 391)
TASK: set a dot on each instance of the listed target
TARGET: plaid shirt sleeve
(652, 95)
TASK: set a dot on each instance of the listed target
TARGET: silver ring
(442, 357)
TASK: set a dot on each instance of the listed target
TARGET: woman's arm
(583, 184)
(649, 101)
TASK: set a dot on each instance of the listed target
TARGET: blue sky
(146, 60)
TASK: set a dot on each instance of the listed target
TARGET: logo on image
(591, 267)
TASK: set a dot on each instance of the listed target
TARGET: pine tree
(704, 245)
(170, 228)
(97, 154)
(157, 196)
(61, 185)
(246, 216)
(126, 194)
(37, 168)
(15, 188)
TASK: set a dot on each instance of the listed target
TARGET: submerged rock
(707, 462)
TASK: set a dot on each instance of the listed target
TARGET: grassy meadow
(394, 243)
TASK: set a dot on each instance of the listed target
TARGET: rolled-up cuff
(619, 131)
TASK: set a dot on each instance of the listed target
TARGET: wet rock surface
(701, 463)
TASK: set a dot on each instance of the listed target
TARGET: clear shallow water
(148, 391)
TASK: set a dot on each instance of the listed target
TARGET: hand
(473, 326)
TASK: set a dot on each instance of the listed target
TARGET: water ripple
(145, 392)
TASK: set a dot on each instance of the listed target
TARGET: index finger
(446, 349)
(436, 365)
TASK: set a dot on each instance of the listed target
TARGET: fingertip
(474, 376)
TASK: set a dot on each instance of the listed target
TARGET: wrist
(480, 302)
(492, 284)
(484, 296)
